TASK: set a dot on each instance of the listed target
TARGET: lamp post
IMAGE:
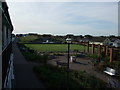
(68, 40)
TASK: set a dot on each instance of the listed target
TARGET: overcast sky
(61, 18)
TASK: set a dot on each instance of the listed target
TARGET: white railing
(10, 74)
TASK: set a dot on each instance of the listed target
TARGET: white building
(116, 43)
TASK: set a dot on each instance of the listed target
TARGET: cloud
(63, 0)
(63, 18)
(90, 11)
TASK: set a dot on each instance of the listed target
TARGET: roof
(102, 39)
(112, 39)
(97, 39)
(85, 39)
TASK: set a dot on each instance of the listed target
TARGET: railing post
(99, 49)
(87, 47)
(104, 49)
(106, 52)
(111, 55)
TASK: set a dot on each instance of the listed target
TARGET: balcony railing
(5, 61)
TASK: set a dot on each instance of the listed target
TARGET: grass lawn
(55, 47)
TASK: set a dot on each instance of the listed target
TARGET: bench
(60, 63)
(110, 71)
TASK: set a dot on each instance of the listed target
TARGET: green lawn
(28, 38)
(55, 47)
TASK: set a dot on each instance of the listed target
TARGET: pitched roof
(113, 39)
(98, 39)
(85, 39)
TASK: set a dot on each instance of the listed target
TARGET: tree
(81, 36)
(70, 35)
(112, 36)
(46, 35)
(88, 36)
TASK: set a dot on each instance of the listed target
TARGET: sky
(61, 18)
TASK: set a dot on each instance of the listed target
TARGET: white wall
(116, 44)
(96, 43)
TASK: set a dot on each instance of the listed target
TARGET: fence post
(87, 47)
(111, 55)
(99, 49)
(106, 52)
(104, 49)
(93, 48)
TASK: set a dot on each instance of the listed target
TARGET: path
(24, 75)
(84, 65)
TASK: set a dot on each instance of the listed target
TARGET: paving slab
(24, 75)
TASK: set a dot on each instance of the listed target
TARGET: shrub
(106, 59)
(86, 80)
(93, 56)
(58, 54)
(53, 76)
(35, 57)
(76, 50)
(31, 56)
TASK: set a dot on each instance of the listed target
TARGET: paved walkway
(24, 75)
(84, 65)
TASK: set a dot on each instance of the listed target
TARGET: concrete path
(84, 65)
(24, 75)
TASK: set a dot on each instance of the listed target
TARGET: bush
(31, 56)
(21, 45)
(76, 50)
(93, 56)
(58, 54)
(34, 57)
(87, 81)
(106, 59)
(53, 76)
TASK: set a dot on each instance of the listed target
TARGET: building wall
(7, 56)
(116, 43)
(96, 43)
(0, 45)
